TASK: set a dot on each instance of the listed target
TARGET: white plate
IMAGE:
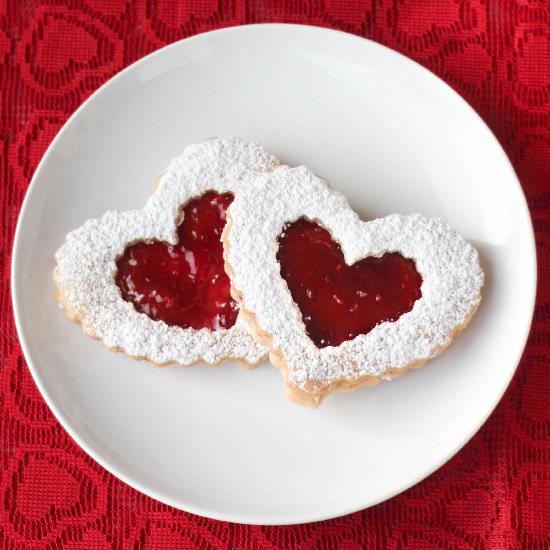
(223, 442)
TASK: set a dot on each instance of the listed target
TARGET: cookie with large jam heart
(341, 302)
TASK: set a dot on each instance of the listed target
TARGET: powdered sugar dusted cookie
(338, 301)
(151, 282)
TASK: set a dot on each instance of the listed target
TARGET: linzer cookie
(151, 282)
(341, 302)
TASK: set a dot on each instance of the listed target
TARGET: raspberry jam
(183, 284)
(337, 301)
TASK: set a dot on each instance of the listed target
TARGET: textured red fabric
(495, 493)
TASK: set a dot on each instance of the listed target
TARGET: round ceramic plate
(223, 442)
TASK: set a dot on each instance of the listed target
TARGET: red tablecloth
(495, 493)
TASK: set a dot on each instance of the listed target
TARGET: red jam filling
(337, 301)
(183, 284)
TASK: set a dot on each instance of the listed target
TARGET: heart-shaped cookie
(150, 282)
(303, 265)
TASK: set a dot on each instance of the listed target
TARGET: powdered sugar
(449, 266)
(86, 263)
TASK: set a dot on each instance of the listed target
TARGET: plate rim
(265, 519)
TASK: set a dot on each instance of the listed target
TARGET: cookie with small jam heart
(151, 282)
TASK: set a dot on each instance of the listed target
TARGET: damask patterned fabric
(495, 493)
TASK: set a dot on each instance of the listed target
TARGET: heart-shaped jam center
(183, 284)
(340, 301)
